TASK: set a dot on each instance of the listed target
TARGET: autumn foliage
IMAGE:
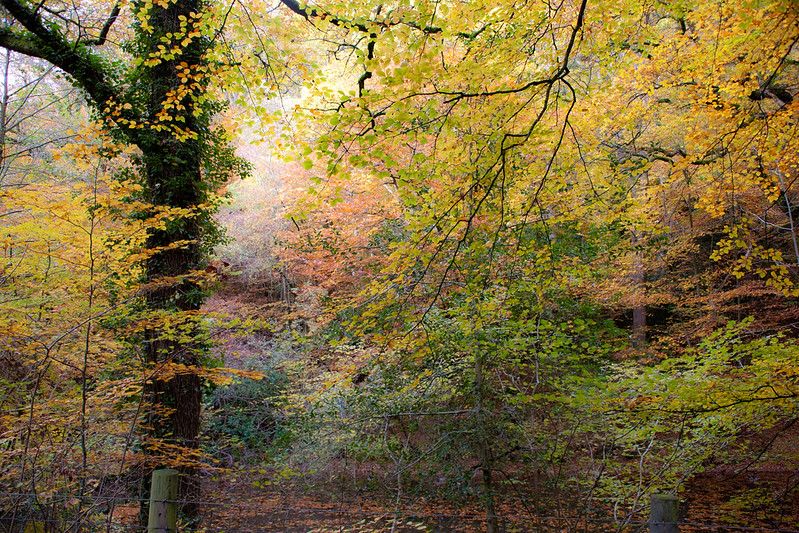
(484, 251)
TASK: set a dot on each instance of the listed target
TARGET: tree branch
(75, 59)
(23, 44)
(106, 27)
(313, 13)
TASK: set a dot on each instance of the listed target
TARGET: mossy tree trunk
(160, 106)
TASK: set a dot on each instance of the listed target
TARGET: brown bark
(484, 449)
(639, 302)
(171, 172)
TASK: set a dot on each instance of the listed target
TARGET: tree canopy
(529, 230)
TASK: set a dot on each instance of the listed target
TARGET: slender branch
(73, 58)
(106, 27)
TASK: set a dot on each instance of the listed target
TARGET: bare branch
(106, 27)
(74, 58)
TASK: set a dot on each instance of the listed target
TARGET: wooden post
(163, 508)
(663, 513)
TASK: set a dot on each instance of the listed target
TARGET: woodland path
(243, 498)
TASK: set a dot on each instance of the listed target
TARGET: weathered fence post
(163, 508)
(663, 513)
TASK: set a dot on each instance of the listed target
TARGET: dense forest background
(530, 259)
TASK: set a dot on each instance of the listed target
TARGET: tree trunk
(484, 449)
(639, 287)
(4, 114)
(154, 107)
(639, 301)
(172, 169)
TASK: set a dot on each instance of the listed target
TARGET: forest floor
(244, 498)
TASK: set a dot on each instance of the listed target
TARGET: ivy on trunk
(160, 106)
